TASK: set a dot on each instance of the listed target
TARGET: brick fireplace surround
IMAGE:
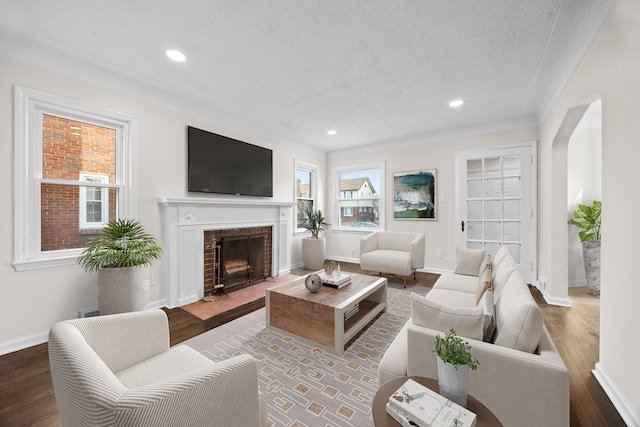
(185, 221)
(245, 257)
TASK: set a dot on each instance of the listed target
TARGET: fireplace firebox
(236, 257)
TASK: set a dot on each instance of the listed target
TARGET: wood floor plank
(26, 390)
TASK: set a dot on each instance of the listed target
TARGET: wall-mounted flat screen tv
(219, 164)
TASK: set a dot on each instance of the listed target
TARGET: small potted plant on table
(121, 255)
(454, 362)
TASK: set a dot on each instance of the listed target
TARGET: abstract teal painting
(414, 194)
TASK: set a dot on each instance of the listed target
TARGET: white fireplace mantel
(186, 219)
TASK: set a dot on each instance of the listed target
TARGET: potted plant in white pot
(121, 255)
(313, 247)
(587, 219)
(454, 362)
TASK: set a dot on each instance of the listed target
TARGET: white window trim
(29, 105)
(104, 195)
(337, 171)
(313, 169)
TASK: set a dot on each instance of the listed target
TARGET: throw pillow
(484, 283)
(489, 320)
(519, 322)
(467, 321)
(468, 261)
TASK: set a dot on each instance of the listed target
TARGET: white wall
(32, 301)
(439, 234)
(584, 173)
(610, 71)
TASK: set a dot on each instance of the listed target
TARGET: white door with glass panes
(496, 202)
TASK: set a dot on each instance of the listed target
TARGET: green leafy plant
(452, 349)
(587, 218)
(314, 222)
(122, 243)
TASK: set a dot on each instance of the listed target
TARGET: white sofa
(392, 252)
(521, 377)
(118, 370)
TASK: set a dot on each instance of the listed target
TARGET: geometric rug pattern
(303, 385)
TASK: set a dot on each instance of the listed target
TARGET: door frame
(486, 152)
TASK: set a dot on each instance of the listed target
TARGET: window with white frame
(72, 176)
(359, 193)
(305, 187)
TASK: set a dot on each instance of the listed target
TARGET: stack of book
(335, 281)
(350, 312)
(416, 405)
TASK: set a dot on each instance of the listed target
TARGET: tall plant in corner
(587, 219)
(121, 254)
(314, 248)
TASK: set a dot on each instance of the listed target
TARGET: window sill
(359, 230)
(44, 263)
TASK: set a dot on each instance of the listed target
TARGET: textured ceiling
(289, 70)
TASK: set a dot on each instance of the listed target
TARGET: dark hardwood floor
(26, 391)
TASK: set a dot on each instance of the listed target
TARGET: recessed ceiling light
(456, 103)
(175, 55)
(332, 132)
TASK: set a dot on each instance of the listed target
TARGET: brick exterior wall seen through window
(68, 148)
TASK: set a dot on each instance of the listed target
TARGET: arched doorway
(584, 182)
(559, 188)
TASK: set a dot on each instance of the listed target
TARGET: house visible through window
(305, 186)
(72, 176)
(359, 194)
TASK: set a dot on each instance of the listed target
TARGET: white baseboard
(23, 343)
(156, 304)
(621, 403)
(541, 285)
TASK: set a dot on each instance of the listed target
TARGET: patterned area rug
(305, 386)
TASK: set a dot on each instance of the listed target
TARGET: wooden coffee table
(381, 418)
(319, 317)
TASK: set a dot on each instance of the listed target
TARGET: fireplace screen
(240, 257)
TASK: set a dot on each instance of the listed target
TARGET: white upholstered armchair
(393, 252)
(118, 370)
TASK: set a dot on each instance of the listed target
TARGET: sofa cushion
(457, 282)
(469, 261)
(502, 275)
(519, 321)
(467, 321)
(489, 318)
(500, 256)
(453, 298)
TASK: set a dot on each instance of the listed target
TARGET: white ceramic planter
(122, 290)
(453, 382)
(313, 252)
